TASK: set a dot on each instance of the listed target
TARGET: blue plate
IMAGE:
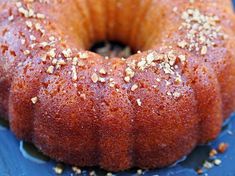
(21, 159)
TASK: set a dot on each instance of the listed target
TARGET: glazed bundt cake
(147, 110)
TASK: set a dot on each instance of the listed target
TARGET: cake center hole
(112, 49)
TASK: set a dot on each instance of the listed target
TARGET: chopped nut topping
(67, 53)
(83, 96)
(199, 171)
(176, 94)
(50, 69)
(74, 73)
(102, 71)
(134, 87)
(52, 53)
(95, 78)
(203, 50)
(75, 61)
(34, 100)
(139, 172)
(222, 147)
(127, 79)
(58, 169)
(83, 55)
(76, 170)
(139, 102)
(213, 152)
(29, 24)
(32, 37)
(208, 165)
(11, 18)
(182, 58)
(202, 30)
(217, 162)
(182, 44)
(26, 52)
(102, 79)
(109, 174)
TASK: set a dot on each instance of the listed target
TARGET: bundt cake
(147, 110)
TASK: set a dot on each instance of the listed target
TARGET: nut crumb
(222, 147)
(58, 169)
(139, 172)
(139, 102)
(217, 162)
(134, 87)
(203, 50)
(94, 78)
(76, 170)
(34, 100)
(50, 69)
(213, 152)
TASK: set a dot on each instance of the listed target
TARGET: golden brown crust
(147, 110)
